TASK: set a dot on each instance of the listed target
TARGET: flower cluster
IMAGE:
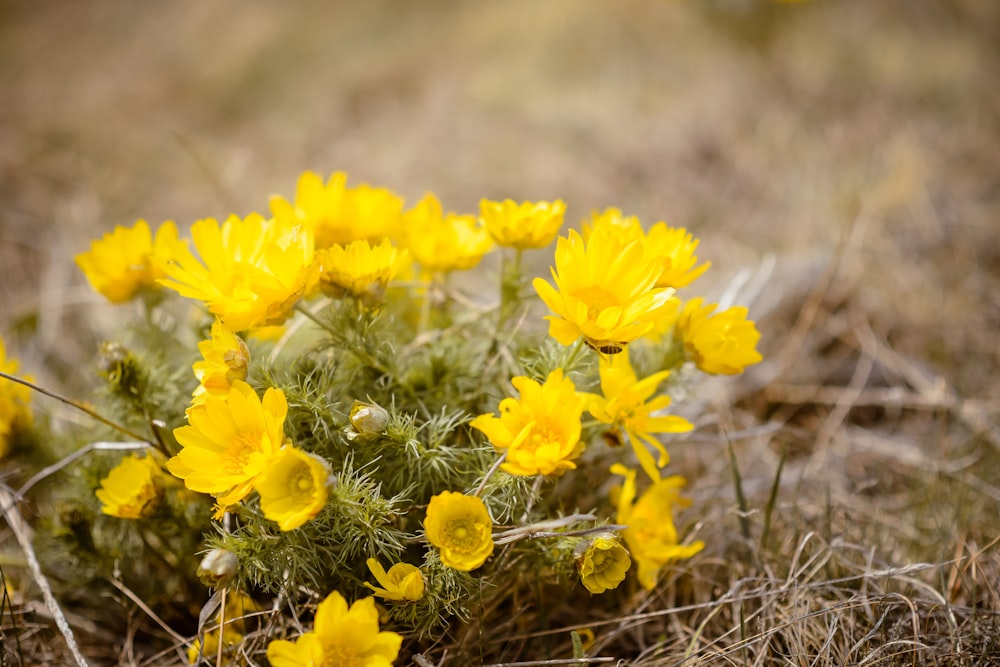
(368, 426)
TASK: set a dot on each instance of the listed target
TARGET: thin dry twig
(22, 533)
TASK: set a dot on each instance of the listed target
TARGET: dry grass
(855, 144)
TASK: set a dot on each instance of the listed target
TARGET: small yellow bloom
(651, 535)
(341, 637)
(604, 293)
(231, 639)
(359, 269)
(403, 582)
(251, 273)
(133, 489)
(602, 563)
(229, 442)
(620, 228)
(461, 528)
(336, 214)
(522, 226)
(540, 430)
(129, 259)
(15, 401)
(444, 242)
(672, 247)
(293, 488)
(239, 607)
(720, 344)
(225, 359)
(626, 405)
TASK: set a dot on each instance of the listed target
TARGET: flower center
(341, 656)
(238, 453)
(302, 486)
(597, 299)
(461, 535)
(543, 433)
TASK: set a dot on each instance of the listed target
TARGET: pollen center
(462, 535)
(302, 486)
(597, 299)
(341, 657)
(234, 461)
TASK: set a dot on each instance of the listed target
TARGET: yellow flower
(128, 260)
(626, 405)
(602, 563)
(341, 637)
(603, 293)
(229, 442)
(651, 535)
(610, 220)
(444, 242)
(541, 429)
(402, 582)
(15, 399)
(337, 214)
(133, 489)
(359, 270)
(672, 247)
(719, 344)
(461, 528)
(253, 273)
(238, 606)
(231, 639)
(524, 225)
(225, 359)
(293, 487)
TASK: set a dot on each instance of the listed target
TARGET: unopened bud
(368, 419)
(218, 568)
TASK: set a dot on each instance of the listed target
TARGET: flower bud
(368, 419)
(218, 568)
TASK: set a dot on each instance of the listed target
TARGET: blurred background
(766, 128)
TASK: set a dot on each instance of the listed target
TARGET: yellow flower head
(359, 269)
(341, 637)
(231, 639)
(651, 535)
(403, 582)
(618, 227)
(229, 442)
(720, 344)
(337, 214)
(604, 293)
(133, 489)
(672, 247)
(540, 430)
(15, 399)
(252, 271)
(461, 528)
(238, 607)
(626, 406)
(444, 242)
(225, 359)
(128, 260)
(293, 487)
(522, 226)
(602, 563)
